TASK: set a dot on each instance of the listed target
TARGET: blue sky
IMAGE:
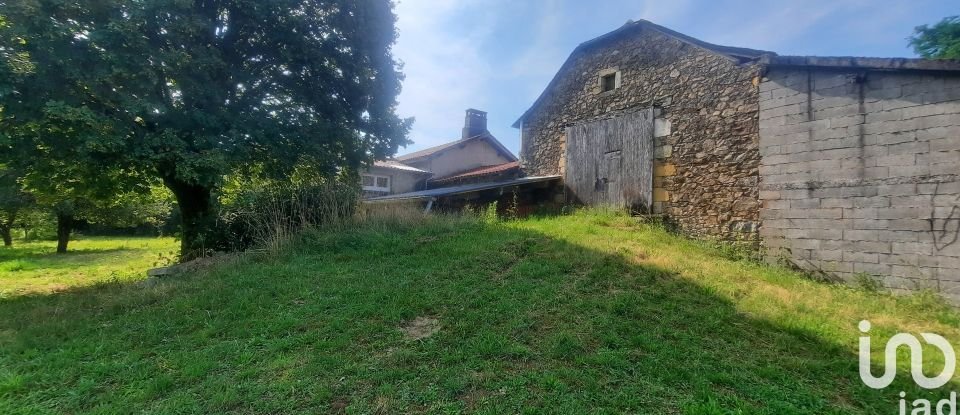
(498, 55)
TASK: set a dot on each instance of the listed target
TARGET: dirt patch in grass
(420, 328)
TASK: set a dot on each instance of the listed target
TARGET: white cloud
(544, 53)
(445, 73)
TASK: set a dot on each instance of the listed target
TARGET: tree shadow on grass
(527, 322)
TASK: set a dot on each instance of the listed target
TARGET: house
(476, 148)
(391, 176)
(476, 157)
(845, 166)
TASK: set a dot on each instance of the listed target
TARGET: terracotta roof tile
(480, 171)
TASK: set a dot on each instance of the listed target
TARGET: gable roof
(437, 150)
(631, 27)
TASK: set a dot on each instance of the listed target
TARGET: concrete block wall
(860, 174)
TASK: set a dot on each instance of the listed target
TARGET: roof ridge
(732, 52)
(440, 147)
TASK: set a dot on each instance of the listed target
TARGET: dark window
(608, 82)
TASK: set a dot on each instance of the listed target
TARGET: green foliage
(189, 92)
(868, 282)
(940, 41)
(267, 213)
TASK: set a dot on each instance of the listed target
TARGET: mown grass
(590, 313)
(34, 267)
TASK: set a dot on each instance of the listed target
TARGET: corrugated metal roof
(858, 62)
(396, 165)
(455, 190)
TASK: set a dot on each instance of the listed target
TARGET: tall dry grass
(269, 217)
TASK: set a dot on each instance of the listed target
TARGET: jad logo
(920, 406)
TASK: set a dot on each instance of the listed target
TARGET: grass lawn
(590, 313)
(34, 267)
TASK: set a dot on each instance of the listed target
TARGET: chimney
(474, 124)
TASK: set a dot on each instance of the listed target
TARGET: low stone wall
(860, 174)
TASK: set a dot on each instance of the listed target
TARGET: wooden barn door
(610, 162)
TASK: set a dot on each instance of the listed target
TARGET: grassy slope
(589, 313)
(34, 267)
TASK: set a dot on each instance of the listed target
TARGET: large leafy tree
(189, 91)
(940, 41)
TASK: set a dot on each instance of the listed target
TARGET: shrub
(268, 215)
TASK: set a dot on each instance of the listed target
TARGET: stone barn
(705, 142)
(847, 167)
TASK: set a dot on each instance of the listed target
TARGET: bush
(268, 215)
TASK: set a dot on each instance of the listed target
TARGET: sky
(499, 55)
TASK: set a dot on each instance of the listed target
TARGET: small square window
(366, 180)
(383, 182)
(608, 82)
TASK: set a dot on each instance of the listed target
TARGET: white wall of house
(399, 181)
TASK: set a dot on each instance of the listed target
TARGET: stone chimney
(475, 123)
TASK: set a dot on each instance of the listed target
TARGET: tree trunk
(5, 233)
(7, 226)
(196, 213)
(64, 226)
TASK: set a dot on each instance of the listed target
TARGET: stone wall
(860, 174)
(707, 157)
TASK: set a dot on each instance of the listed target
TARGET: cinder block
(945, 144)
(923, 111)
(830, 254)
(897, 236)
(810, 203)
(901, 212)
(897, 160)
(881, 116)
(908, 224)
(850, 256)
(769, 195)
(909, 201)
(909, 171)
(776, 204)
(860, 235)
(836, 202)
(871, 268)
(887, 138)
(912, 147)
